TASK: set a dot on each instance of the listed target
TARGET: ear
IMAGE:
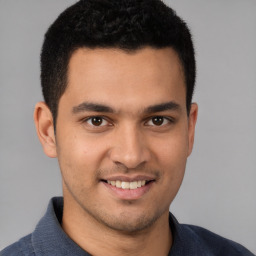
(191, 126)
(45, 128)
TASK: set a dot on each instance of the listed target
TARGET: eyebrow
(163, 107)
(87, 106)
(95, 107)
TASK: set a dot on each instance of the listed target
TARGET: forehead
(119, 77)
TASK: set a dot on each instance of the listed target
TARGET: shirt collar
(49, 237)
(184, 241)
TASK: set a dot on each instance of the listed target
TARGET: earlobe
(45, 128)
(191, 126)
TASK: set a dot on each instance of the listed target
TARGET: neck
(97, 239)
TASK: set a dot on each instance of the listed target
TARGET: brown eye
(96, 121)
(158, 120)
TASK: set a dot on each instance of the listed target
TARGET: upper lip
(129, 178)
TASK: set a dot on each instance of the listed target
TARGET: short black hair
(125, 24)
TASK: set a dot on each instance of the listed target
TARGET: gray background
(219, 189)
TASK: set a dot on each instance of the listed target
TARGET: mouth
(126, 188)
(127, 184)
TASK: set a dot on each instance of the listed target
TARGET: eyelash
(166, 121)
(90, 119)
(106, 122)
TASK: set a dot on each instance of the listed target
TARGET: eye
(96, 121)
(158, 121)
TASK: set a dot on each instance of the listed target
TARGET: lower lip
(128, 194)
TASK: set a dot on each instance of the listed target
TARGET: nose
(129, 148)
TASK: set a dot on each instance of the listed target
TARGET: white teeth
(118, 184)
(126, 184)
(133, 185)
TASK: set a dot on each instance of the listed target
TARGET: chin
(129, 223)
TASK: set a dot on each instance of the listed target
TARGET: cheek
(79, 157)
(174, 164)
(171, 159)
(172, 150)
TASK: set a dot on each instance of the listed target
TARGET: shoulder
(213, 243)
(23, 247)
(193, 240)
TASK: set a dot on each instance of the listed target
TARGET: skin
(127, 144)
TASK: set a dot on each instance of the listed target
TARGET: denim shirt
(49, 239)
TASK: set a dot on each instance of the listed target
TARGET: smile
(128, 188)
(127, 185)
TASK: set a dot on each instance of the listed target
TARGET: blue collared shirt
(49, 239)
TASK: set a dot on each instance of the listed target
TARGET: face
(123, 135)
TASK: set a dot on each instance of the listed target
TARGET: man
(118, 79)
